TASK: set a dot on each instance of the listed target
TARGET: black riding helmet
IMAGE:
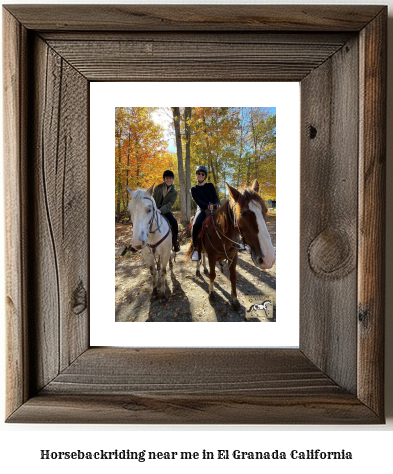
(201, 168)
(168, 173)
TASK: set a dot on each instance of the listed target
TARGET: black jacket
(203, 195)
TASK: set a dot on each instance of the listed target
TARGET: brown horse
(242, 215)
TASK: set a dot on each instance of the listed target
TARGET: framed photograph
(277, 138)
(52, 56)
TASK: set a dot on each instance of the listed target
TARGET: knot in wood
(331, 255)
(363, 316)
(80, 299)
(313, 132)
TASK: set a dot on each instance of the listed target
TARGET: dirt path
(187, 294)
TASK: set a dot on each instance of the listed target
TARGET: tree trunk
(241, 152)
(215, 175)
(213, 171)
(182, 183)
(248, 170)
(255, 143)
(128, 168)
(118, 180)
(187, 127)
(210, 157)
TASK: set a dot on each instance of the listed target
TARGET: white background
(371, 445)
(104, 97)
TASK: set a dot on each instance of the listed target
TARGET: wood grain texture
(60, 218)
(200, 37)
(14, 74)
(198, 17)
(194, 409)
(372, 199)
(193, 386)
(188, 60)
(329, 173)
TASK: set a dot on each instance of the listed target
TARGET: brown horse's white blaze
(250, 215)
(265, 256)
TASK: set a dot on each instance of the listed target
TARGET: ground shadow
(268, 279)
(176, 309)
(222, 305)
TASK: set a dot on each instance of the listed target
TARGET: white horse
(152, 234)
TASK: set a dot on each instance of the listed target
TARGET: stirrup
(195, 256)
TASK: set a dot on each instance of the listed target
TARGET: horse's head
(250, 215)
(141, 209)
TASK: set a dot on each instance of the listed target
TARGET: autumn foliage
(141, 152)
(236, 144)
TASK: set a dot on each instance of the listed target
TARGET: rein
(236, 227)
(218, 232)
(235, 224)
(155, 215)
(154, 246)
(152, 218)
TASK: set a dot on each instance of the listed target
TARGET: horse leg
(163, 260)
(212, 265)
(198, 273)
(232, 275)
(163, 275)
(206, 271)
(221, 266)
(153, 271)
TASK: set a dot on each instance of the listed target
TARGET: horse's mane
(247, 195)
(140, 194)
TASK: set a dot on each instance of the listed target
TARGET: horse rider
(205, 196)
(165, 196)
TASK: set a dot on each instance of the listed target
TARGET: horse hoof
(206, 271)
(236, 305)
(154, 295)
(212, 298)
(198, 273)
(163, 298)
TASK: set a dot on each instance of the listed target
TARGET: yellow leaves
(237, 144)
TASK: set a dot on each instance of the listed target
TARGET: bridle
(155, 216)
(236, 226)
(232, 217)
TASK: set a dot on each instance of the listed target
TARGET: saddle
(205, 224)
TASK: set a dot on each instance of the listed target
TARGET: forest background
(236, 144)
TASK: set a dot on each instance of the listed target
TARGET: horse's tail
(189, 252)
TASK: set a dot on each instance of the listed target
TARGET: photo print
(195, 213)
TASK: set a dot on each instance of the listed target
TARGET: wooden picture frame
(338, 54)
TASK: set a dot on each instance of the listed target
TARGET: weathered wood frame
(338, 54)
